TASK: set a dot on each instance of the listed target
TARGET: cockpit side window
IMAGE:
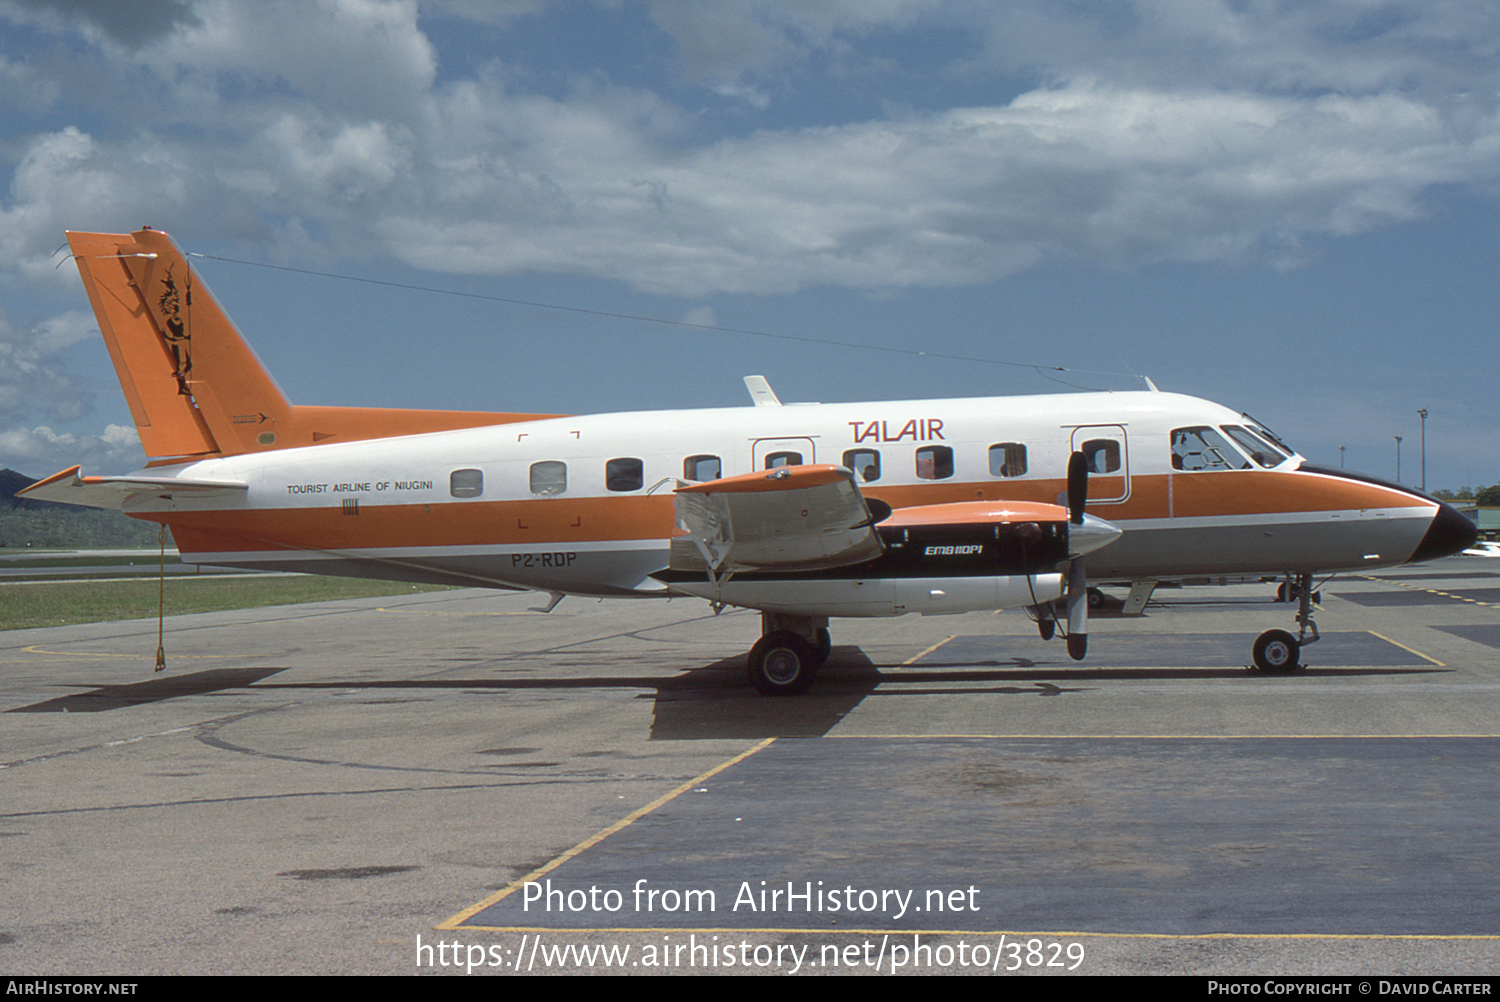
(1203, 448)
(1260, 450)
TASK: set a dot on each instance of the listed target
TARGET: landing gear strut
(787, 657)
(1277, 652)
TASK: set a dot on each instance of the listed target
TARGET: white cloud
(1218, 133)
(31, 378)
(1083, 172)
(40, 451)
(361, 59)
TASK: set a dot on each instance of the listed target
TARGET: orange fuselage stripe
(636, 517)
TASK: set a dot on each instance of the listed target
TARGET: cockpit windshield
(1265, 451)
(1203, 448)
(1267, 434)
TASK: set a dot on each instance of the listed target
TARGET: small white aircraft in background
(804, 512)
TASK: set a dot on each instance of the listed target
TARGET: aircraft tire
(1276, 652)
(1047, 627)
(823, 647)
(782, 664)
(1096, 598)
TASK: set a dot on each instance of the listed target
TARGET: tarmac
(457, 783)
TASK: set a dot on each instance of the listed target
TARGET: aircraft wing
(793, 518)
(68, 487)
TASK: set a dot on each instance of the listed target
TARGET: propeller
(1076, 598)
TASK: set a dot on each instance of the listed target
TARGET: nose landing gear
(1277, 652)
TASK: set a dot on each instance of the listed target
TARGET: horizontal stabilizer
(117, 493)
(792, 518)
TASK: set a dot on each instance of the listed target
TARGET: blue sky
(1289, 208)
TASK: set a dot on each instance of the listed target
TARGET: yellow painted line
(1413, 650)
(419, 612)
(1151, 737)
(37, 649)
(1017, 933)
(1430, 591)
(917, 657)
(589, 843)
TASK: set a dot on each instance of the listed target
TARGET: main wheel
(823, 647)
(782, 664)
(1046, 626)
(1276, 652)
(1096, 598)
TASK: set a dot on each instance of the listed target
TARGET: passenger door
(1104, 448)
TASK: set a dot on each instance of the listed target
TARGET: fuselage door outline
(782, 450)
(1106, 448)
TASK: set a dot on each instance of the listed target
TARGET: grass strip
(65, 603)
(145, 558)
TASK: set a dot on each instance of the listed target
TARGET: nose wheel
(1276, 652)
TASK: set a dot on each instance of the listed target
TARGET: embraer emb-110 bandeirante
(804, 512)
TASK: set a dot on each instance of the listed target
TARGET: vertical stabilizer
(193, 385)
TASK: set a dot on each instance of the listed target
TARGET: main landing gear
(789, 653)
(1276, 652)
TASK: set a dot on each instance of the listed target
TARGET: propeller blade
(1078, 487)
(1078, 611)
(1077, 596)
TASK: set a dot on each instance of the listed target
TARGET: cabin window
(776, 459)
(702, 468)
(1102, 455)
(624, 474)
(466, 483)
(549, 477)
(935, 462)
(1204, 449)
(865, 463)
(1008, 459)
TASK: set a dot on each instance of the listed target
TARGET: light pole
(1341, 457)
(1398, 459)
(1423, 415)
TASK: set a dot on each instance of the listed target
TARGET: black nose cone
(1449, 533)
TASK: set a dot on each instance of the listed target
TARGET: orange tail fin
(193, 385)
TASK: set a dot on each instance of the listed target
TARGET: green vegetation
(146, 561)
(42, 523)
(79, 528)
(1485, 497)
(61, 603)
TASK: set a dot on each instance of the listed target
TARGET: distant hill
(24, 522)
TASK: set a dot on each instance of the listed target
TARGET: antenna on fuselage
(761, 393)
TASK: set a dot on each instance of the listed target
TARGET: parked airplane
(803, 512)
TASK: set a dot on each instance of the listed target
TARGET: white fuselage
(583, 505)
